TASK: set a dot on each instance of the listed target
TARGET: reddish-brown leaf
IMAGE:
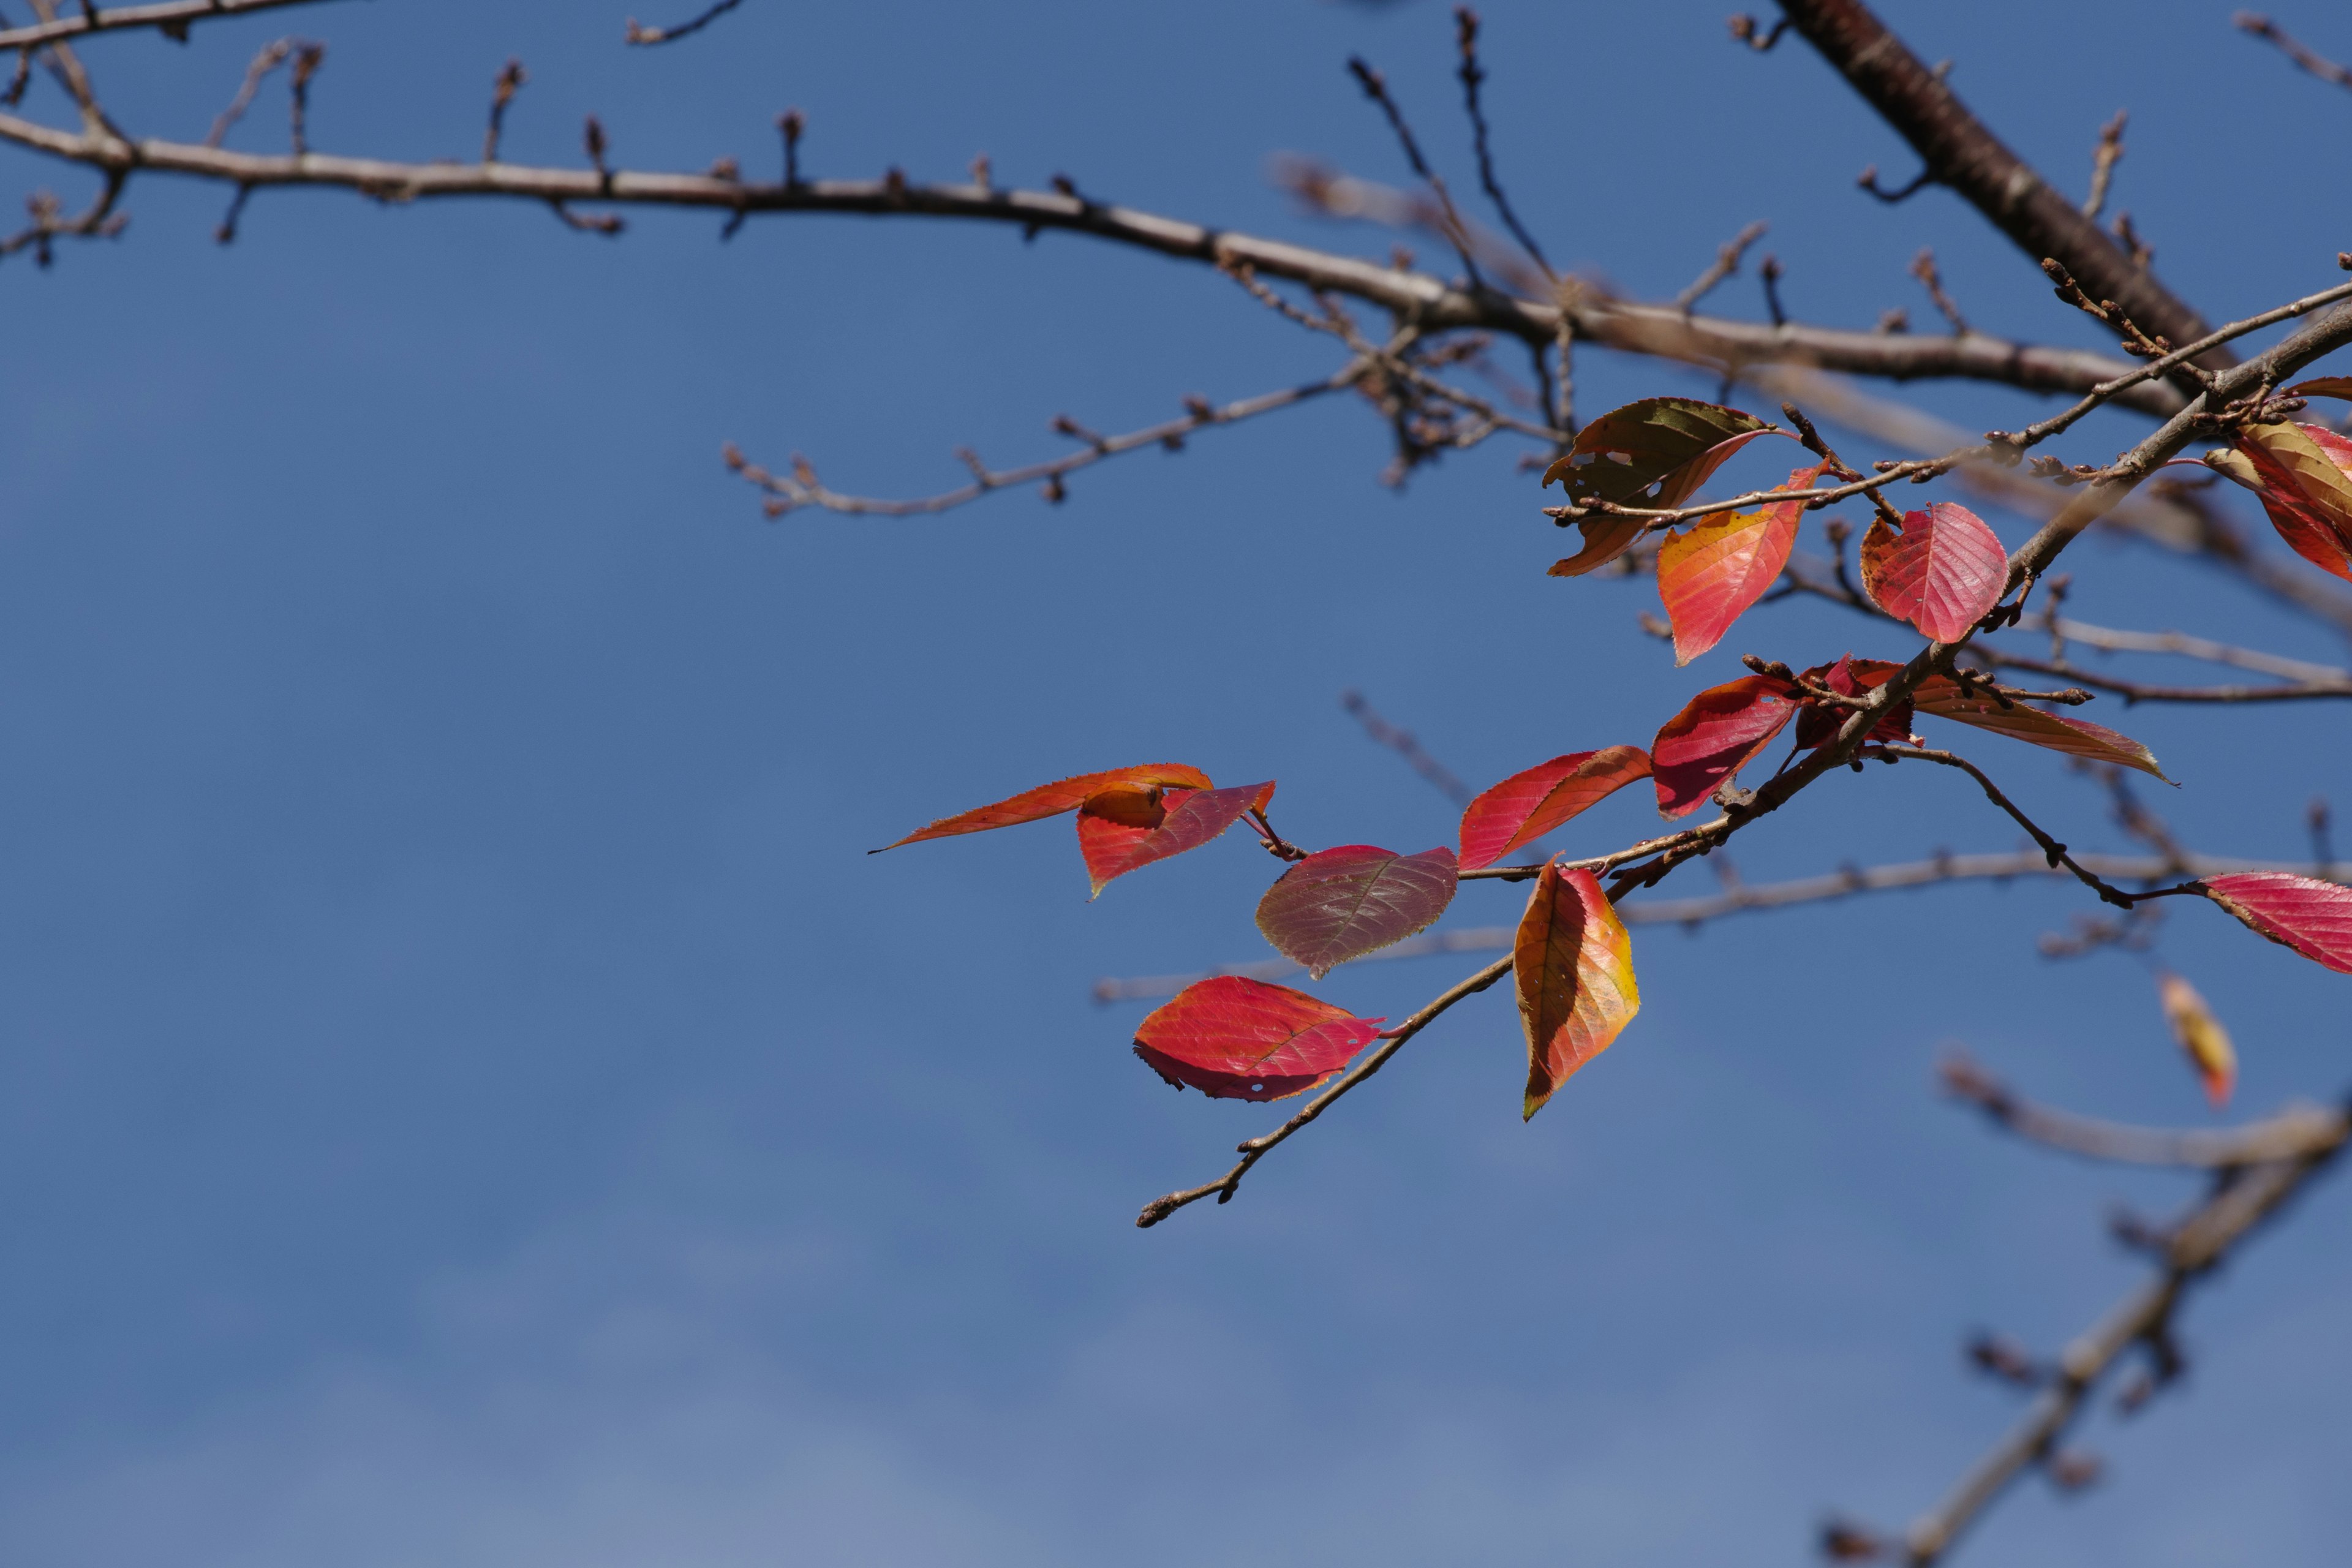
(1654, 453)
(1605, 539)
(1117, 832)
(1339, 904)
(1941, 574)
(1717, 734)
(1236, 1039)
(2303, 475)
(1942, 696)
(1851, 677)
(1053, 799)
(2200, 1035)
(1527, 805)
(2312, 916)
(1573, 963)
(2321, 386)
(1708, 575)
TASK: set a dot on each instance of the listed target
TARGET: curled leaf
(1709, 574)
(1063, 794)
(1941, 574)
(1339, 904)
(1718, 732)
(2303, 475)
(1654, 453)
(1572, 963)
(1123, 828)
(1943, 697)
(1236, 1039)
(2312, 916)
(2200, 1035)
(1527, 805)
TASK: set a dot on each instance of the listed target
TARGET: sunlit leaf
(2312, 916)
(1236, 1038)
(1709, 573)
(2201, 1035)
(2321, 386)
(1339, 904)
(1527, 805)
(2303, 475)
(1063, 794)
(1117, 831)
(1942, 696)
(1670, 443)
(1851, 677)
(1573, 963)
(1941, 574)
(1717, 734)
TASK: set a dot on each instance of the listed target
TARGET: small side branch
(2271, 32)
(638, 35)
(2294, 1133)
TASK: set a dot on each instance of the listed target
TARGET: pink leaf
(1343, 904)
(2312, 917)
(1941, 574)
(1117, 830)
(1716, 736)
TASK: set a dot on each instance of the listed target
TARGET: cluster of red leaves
(1942, 569)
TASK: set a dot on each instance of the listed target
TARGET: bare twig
(1376, 87)
(1466, 23)
(511, 78)
(1726, 263)
(1923, 268)
(1406, 745)
(2297, 1130)
(271, 56)
(638, 35)
(2104, 159)
(2264, 27)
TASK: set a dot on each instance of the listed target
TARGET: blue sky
(466, 1096)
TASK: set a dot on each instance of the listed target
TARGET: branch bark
(172, 18)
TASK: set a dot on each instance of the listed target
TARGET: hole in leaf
(1581, 459)
(1624, 457)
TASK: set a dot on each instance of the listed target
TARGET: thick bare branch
(173, 19)
(1960, 154)
(2294, 1132)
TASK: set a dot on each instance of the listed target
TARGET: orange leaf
(1941, 696)
(1718, 733)
(2312, 916)
(1527, 805)
(1053, 799)
(2321, 386)
(1117, 831)
(1236, 1038)
(1573, 965)
(2201, 1035)
(1708, 575)
(1941, 574)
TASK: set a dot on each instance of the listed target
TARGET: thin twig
(1726, 263)
(638, 35)
(1376, 87)
(1465, 22)
(2264, 27)
(2296, 1132)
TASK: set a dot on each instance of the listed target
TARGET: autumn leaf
(1121, 830)
(2201, 1035)
(1236, 1038)
(1941, 573)
(1672, 443)
(1718, 733)
(1527, 805)
(1573, 965)
(2303, 475)
(1053, 799)
(2321, 386)
(1851, 677)
(2312, 916)
(1943, 697)
(1605, 539)
(1709, 574)
(1341, 904)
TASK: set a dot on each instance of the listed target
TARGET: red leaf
(1573, 963)
(2311, 917)
(1053, 799)
(2321, 386)
(1117, 832)
(1527, 805)
(1941, 696)
(1941, 574)
(1343, 904)
(2304, 474)
(1851, 677)
(1708, 575)
(1234, 1038)
(1718, 734)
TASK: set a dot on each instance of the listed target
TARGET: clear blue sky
(466, 1097)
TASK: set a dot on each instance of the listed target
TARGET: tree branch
(172, 18)
(2293, 1133)
(1960, 153)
